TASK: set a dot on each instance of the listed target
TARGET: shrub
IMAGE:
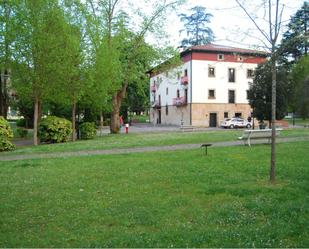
(6, 134)
(21, 122)
(55, 130)
(22, 132)
(88, 130)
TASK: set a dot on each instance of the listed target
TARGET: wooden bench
(249, 135)
(187, 128)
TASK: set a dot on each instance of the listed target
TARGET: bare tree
(274, 23)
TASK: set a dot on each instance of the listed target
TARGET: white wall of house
(202, 83)
(200, 106)
(167, 84)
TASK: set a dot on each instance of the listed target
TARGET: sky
(229, 23)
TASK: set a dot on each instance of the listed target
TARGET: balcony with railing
(179, 101)
(153, 88)
(156, 104)
(184, 80)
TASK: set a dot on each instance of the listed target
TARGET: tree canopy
(259, 93)
(198, 32)
(300, 81)
(295, 42)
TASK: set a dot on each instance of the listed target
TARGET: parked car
(235, 123)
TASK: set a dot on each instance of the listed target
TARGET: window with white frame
(211, 94)
(220, 57)
(211, 72)
(250, 73)
(231, 74)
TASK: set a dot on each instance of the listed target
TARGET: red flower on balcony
(179, 101)
(184, 80)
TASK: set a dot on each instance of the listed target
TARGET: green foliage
(6, 134)
(88, 130)
(259, 93)
(295, 41)
(300, 79)
(196, 27)
(55, 130)
(22, 132)
(21, 122)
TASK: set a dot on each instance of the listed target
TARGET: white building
(209, 86)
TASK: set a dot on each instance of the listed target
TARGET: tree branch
(254, 22)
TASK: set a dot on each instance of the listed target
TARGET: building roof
(223, 49)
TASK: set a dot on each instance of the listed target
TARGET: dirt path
(138, 149)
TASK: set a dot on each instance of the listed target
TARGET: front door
(159, 117)
(213, 120)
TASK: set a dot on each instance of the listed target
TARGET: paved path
(138, 149)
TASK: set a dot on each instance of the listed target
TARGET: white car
(235, 123)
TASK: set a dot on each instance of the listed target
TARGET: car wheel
(248, 126)
(232, 126)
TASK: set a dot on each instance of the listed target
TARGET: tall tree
(40, 47)
(300, 79)
(198, 32)
(271, 38)
(259, 93)
(122, 46)
(6, 39)
(295, 42)
(71, 81)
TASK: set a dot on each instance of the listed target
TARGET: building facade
(209, 86)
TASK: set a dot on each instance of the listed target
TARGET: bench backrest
(259, 133)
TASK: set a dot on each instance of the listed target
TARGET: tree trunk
(101, 122)
(4, 93)
(36, 121)
(116, 102)
(115, 121)
(272, 175)
(73, 121)
(1, 95)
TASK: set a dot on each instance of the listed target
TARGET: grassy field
(166, 199)
(298, 121)
(147, 139)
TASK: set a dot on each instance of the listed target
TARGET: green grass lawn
(161, 199)
(298, 121)
(147, 139)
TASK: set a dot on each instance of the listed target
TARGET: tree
(6, 39)
(271, 38)
(70, 86)
(40, 49)
(295, 42)
(259, 93)
(196, 27)
(300, 79)
(121, 47)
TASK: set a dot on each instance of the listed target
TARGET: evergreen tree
(196, 27)
(259, 93)
(295, 41)
(300, 80)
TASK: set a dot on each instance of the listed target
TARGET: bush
(55, 130)
(22, 132)
(88, 130)
(21, 122)
(6, 133)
